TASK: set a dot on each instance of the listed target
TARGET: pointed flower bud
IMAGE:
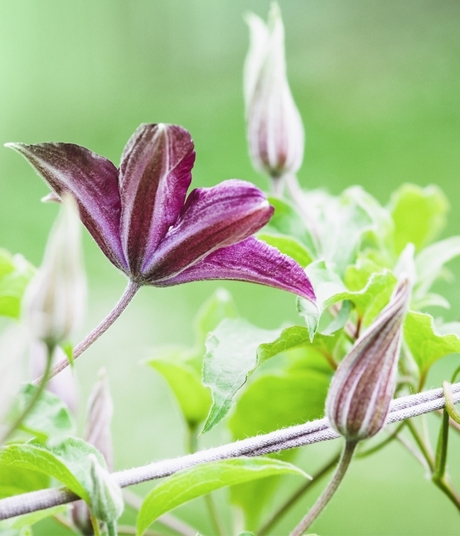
(106, 497)
(54, 300)
(363, 386)
(142, 219)
(275, 130)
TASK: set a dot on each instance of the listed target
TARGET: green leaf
(419, 215)
(220, 305)
(231, 355)
(430, 261)
(426, 343)
(286, 221)
(280, 399)
(50, 419)
(15, 274)
(16, 480)
(197, 481)
(289, 246)
(194, 399)
(67, 463)
(30, 519)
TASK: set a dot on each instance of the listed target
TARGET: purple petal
(93, 182)
(155, 173)
(253, 261)
(211, 218)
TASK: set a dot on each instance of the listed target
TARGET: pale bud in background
(275, 130)
(363, 386)
(54, 301)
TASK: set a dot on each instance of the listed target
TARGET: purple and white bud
(54, 301)
(363, 386)
(275, 130)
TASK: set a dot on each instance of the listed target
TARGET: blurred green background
(378, 86)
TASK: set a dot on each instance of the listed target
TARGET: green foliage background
(378, 86)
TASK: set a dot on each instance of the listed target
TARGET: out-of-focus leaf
(194, 399)
(426, 343)
(15, 480)
(67, 463)
(197, 481)
(231, 355)
(419, 215)
(280, 399)
(30, 519)
(289, 246)
(286, 221)
(50, 419)
(430, 261)
(15, 274)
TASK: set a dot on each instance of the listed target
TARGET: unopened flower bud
(363, 386)
(106, 497)
(54, 300)
(275, 130)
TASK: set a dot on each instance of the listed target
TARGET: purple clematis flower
(139, 215)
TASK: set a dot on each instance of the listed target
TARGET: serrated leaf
(419, 215)
(201, 480)
(194, 399)
(30, 519)
(50, 419)
(426, 343)
(218, 306)
(15, 274)
(16, 480)
(231, 354)
(67, 463)
(289, 246)
(430, 261)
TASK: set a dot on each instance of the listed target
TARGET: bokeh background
(378, 85)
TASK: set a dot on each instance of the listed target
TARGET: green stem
(441, 448)
(326, 496)
(285, 507)
(375, 448)
(38, 392)
(112, 528)
(424, 448)
(95, 524)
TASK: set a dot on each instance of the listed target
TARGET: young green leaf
(419, 215)
(200, 480)
(15, 480)
(231, 356)
(426, 343)
(67, 463)
(289, 246)
(30, 519)
(50, 419)
(194, 399)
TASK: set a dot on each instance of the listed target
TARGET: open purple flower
(139, 215)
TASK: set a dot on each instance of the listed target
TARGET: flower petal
(155, 173)
(253, 261)
(93, 182)
(211, 218)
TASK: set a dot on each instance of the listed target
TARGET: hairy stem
(401, 408)
(285, 507)
(34, 399)
(332, 487)
(129, 293)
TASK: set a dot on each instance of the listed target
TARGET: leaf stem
(128, 294)
(285, 507)
(35, 397)
(112, 528)
(95, 524)
(326, 496)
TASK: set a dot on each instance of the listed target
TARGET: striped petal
(253, 261)
(155, 173)
(212, 218)
(93, 182)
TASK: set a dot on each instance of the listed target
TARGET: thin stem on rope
(129, 293)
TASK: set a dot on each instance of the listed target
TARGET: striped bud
(363, 386)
